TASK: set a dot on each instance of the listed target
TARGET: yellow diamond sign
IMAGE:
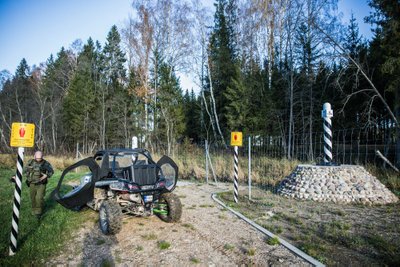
(22, 134)
(236, 138)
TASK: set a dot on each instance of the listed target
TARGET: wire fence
(270, 161)
(272, 158)
(350, 146)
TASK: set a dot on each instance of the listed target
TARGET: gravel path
(206, 235)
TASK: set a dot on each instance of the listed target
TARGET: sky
(34, 29)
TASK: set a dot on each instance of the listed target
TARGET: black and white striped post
(17, 202)
(327, 114)
(22, 135)
(235, 173)
(236, 141)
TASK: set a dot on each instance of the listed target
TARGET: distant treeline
(263, 67)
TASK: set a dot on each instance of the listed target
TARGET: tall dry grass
(191, 162)
(58, 162)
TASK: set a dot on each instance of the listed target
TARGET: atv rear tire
(173, 207)
(110, 217)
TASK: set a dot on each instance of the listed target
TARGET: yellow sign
(236, 138)
(22, 134)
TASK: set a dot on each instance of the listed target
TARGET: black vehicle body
(122, 181)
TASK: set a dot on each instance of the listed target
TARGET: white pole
(206, 150)
(17, 202)
(327, 114)
(249, 167)
(134, 142)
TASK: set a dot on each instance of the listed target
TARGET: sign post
(22, 135)
(236, 141)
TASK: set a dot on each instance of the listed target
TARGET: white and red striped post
(17, 202)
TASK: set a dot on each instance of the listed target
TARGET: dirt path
(206, 235)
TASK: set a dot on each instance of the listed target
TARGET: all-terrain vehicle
(118, 182)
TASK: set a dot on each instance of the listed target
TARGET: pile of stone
(338, 184)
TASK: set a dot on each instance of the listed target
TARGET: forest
(263, 67)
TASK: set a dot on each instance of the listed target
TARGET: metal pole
(327, 114)
(17, 202)
(249, 167)
(206, 150)
(235, 178)
(134, 142)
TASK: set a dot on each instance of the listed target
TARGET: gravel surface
(206, 235)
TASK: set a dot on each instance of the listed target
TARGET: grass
(36, 239)
(367, 235)
(273, 241)
(150, 236)
(163, 244)
(195, 260)
(190, 160)
(388, 177)
(251, 251)
(229, 246)
(100, 241)
(189, 226)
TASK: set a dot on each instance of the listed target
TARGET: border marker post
(327, 114)
(22, 135)
(236, 141)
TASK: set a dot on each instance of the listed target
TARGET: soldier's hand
(44, 177)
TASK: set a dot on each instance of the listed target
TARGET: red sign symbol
(21, 132)
(235, 137)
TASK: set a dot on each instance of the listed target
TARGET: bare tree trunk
(310, 145)
(213, 106)
(54, 130)
(358, 66)
(291, 120)
(397, 112)
(103, 121)
(209, 114)
(18, 105)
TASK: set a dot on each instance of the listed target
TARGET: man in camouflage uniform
(37, 172)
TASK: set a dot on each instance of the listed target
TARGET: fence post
(249, 167)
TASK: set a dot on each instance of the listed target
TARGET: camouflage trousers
(37, 192)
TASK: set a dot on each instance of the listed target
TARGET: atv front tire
(173, 207)
(110, 217)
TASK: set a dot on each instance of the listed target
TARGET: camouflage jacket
(34, 170)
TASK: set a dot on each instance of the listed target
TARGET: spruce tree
(170, 104)
(79, 104)
(222, 63)
(386, 44)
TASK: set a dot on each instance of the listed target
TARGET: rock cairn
(338, 184)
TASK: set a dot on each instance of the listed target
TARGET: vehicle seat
(142, 174)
